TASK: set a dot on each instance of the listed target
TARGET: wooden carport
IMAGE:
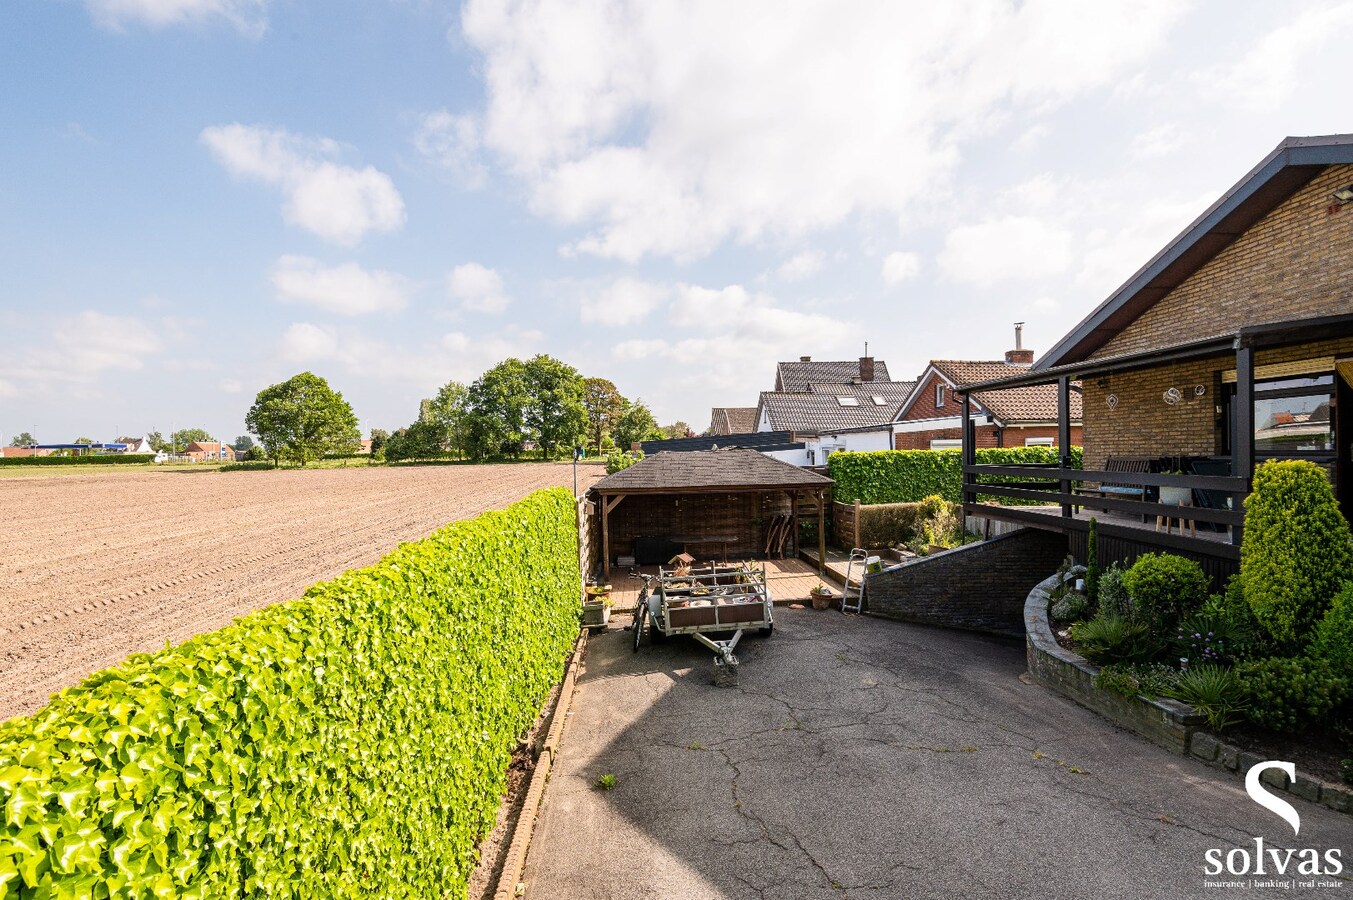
(726, 493)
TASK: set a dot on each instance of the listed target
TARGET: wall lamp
(1344, 194)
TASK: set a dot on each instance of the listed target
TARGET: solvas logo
(1274, 862)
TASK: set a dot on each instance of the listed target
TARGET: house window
(947, 444)
(1038, 442)
(939, 394)
(1292, 418)
(848, 401)
(879, 401)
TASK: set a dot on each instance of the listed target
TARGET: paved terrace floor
(871, 760)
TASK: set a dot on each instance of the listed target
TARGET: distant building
(210, 451)
(732, 420)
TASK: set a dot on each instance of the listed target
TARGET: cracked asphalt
(866, 759)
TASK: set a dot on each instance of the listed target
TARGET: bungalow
(1020, 417)
(796, 377)
(209, 451)
(1233, 345)
(839, 416)
(135, 445)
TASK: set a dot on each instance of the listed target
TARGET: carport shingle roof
(709, 470)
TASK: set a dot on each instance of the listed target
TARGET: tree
(419, 441)
(555, 415)
(180, 439)
(303, 418)
(635, 424)
(449, 413)
(243, 444)
(379, 437)
(83, 440)
(158, 443)
(23, 439)
(497, 404)
(604, 407)
(677, 429)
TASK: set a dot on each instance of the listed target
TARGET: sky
(199, 198)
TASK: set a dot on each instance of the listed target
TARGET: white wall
(793, 457)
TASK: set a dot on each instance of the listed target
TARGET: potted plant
(821, 596)
(1171, 495)
(596, 605)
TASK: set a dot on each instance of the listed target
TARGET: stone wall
(979, 587)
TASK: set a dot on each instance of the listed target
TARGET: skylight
(879, 401)
(848, 401)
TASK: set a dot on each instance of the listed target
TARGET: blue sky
(202, 197)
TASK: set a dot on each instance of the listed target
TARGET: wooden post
(1064, 436)
(794, 524)
(856, 535)
(1242, 432)
(606, 538)
(821, 533)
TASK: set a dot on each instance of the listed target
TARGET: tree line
(541, 405)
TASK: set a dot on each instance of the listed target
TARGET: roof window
(848, 401)
(879, 401)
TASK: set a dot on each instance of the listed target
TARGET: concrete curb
(510, 885)
(1173, 725)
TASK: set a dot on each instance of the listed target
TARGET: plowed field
(93, 568)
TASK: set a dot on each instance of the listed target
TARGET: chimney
(805, 359)
(1019, 356)
(866, 369)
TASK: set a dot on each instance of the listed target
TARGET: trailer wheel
(655, 634)
(767, 631)
(639, 624)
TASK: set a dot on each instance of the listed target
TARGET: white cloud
(477, 288)
(800, 266)
(900, 266)
(668, 128)
(625, 301)
(1031, 138)
(1262, 79)
(248, 16)
(1113, 254)
(753, 332)
(83, 348)
(453, 142)
(8, 389)
(1005, 249)
(231, 386)
(1157, 142)
(306, 343)
(336, 202)
(345, 290)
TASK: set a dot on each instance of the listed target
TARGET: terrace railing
(1055, 485)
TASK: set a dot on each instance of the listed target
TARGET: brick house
(210, 451)
(1233, 345)
(931, 418)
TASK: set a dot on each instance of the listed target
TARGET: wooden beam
(606, 538)
(794, 523)
(613, 503)
(1242, 433)
(821, 533)
(1064, 434)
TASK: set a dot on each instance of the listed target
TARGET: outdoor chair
(1120, 491)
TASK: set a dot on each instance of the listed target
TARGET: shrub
(99, 459)
(1333, 641)
(939, 522)
(621, 459)
(1215, 691)
(1110, 639)
(1297, 549)
(1113, 597)
(1164, 588)
(886, 524)
(1071, 607)
(1130, 679)
(352, 743)
(906, 476)
(1212, 635)
(1288, 695)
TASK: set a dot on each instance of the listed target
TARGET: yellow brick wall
(1295, 263)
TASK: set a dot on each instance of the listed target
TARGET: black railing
(1057, 486)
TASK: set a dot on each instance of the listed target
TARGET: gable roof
(708, 471)
(799, 374)
(1033, 403)
(735, 419)
(818, 411)
(1290, 167)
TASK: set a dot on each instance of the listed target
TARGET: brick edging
(1173, 725)
(510, 885)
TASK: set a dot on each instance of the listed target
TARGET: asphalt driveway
(866, 759)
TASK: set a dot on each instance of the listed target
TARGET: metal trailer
(706, 604)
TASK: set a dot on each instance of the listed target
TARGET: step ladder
(859, 565)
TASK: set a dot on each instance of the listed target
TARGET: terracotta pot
(821, 601)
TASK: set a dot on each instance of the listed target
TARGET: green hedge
(352, 743)
(908, 476)
(108, 459)
(885, 524)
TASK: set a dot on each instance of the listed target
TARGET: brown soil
(93, 568)
(493, 849)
